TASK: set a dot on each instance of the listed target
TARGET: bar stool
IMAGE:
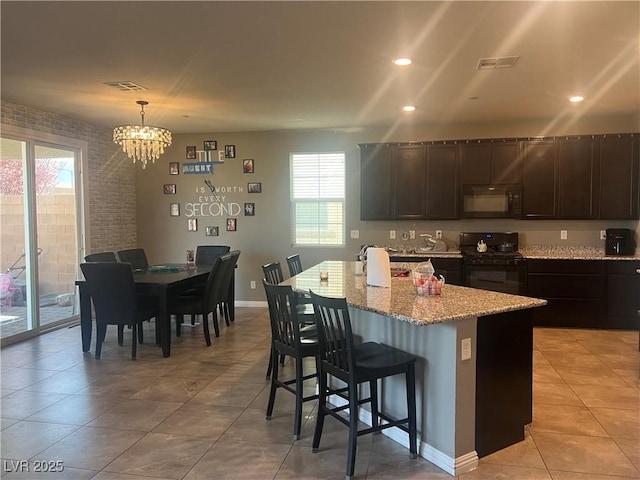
(353, 365)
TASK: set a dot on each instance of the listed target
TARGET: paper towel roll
(378, 268)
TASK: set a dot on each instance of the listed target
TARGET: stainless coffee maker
(620, 241)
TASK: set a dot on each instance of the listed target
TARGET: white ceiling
(214, 66)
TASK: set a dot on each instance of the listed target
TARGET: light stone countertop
(571, 253)
(401, 302)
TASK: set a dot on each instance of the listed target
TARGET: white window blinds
(317, 198)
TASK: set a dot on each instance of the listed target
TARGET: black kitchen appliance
(620, 241)
(491, 201)
(491, 261)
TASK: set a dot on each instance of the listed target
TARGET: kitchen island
(466, 408)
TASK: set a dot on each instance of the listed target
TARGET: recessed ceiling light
(576, 99)
(402, 62)
(408, 108)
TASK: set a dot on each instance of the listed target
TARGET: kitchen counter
(571, 253)
(419, 256)
(467, 406)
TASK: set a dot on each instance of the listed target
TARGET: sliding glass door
(40, 239)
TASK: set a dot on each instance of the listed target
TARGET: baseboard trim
(250, 303)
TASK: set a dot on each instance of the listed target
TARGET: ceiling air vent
(497, 62)
(127, 86)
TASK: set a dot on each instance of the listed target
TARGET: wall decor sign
(211, 231)
(191, 152)
(193, 224)
(229, 151)
(169, 188)
(254, 187)
(174, 168)
(197, 168)
(231, 224)
(247, 165)
(174, 209)
(249, 209)
(210, 145)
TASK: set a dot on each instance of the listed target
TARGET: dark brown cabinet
(442, 182)
(490, 162)
(619, 177)
(409, 183)
(623, 294)
(375, 181)
(577, 178)
(539, 176)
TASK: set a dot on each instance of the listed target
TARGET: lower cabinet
(623, 294)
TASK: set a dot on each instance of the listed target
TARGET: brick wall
(111, 189)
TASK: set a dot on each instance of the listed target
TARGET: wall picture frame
(211, 231)
(249, 209)
(231, 224)
(229, 151)
(174, 168)
(193, 224)
(210, 145)
(191, 152)
(254, 187)
(169, 188)
(247, 165)
(174, 209)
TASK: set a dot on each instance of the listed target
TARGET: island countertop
(400, 300)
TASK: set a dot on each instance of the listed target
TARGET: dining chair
(206, 303)
(226, 286)
(101, 257)
(115, 302)
(286, 340)
(136, 257)
(295, 264)
(354, 364)
(207, 254)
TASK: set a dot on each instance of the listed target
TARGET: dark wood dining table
(163, 283)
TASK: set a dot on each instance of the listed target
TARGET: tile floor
(200, 413)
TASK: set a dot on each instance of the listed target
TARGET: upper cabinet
(375, 181)
(578, 169)
(409, 182)
(539, 179)
(442, 182)
(619, 177)
(486, 162)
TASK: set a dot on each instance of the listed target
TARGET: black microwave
(491, 201)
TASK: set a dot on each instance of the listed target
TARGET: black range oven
(491, 261)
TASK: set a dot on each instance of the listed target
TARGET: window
(317, 198)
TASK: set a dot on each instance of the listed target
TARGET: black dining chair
(207, 254)
(206, 303)
(355, 364)
(287, 340)
(115, 302)
(101, 257)
(136, 257)
(295, 264)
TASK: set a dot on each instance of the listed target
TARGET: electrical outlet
(253, 284)
(438, 233)
(465, 349)
(392, 234)
(603, 234)
(563, 234)
(355, 233)
(412, 234)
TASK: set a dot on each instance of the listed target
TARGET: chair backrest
(112, 290)
(295, 264)
(335, 336)
(135, 256)
(273, 272)
(217, 283)
(227, 275)
(285, 327)
(101, 257)
(207, 254)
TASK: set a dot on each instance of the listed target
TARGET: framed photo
(174, 168)
(253, 187)
(229, 151)
(169, 188)
(210, 145)
(231, 225)
(249, 209)
(174, 209)
(247, 165)
(211, 231)
(191, 152)
(193, 224)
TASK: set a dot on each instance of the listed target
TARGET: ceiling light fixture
(408, 108)
(402, 62)
(576, 99)
(140, 142)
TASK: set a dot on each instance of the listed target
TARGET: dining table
(161, 281)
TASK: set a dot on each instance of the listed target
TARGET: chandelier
(140, 142)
